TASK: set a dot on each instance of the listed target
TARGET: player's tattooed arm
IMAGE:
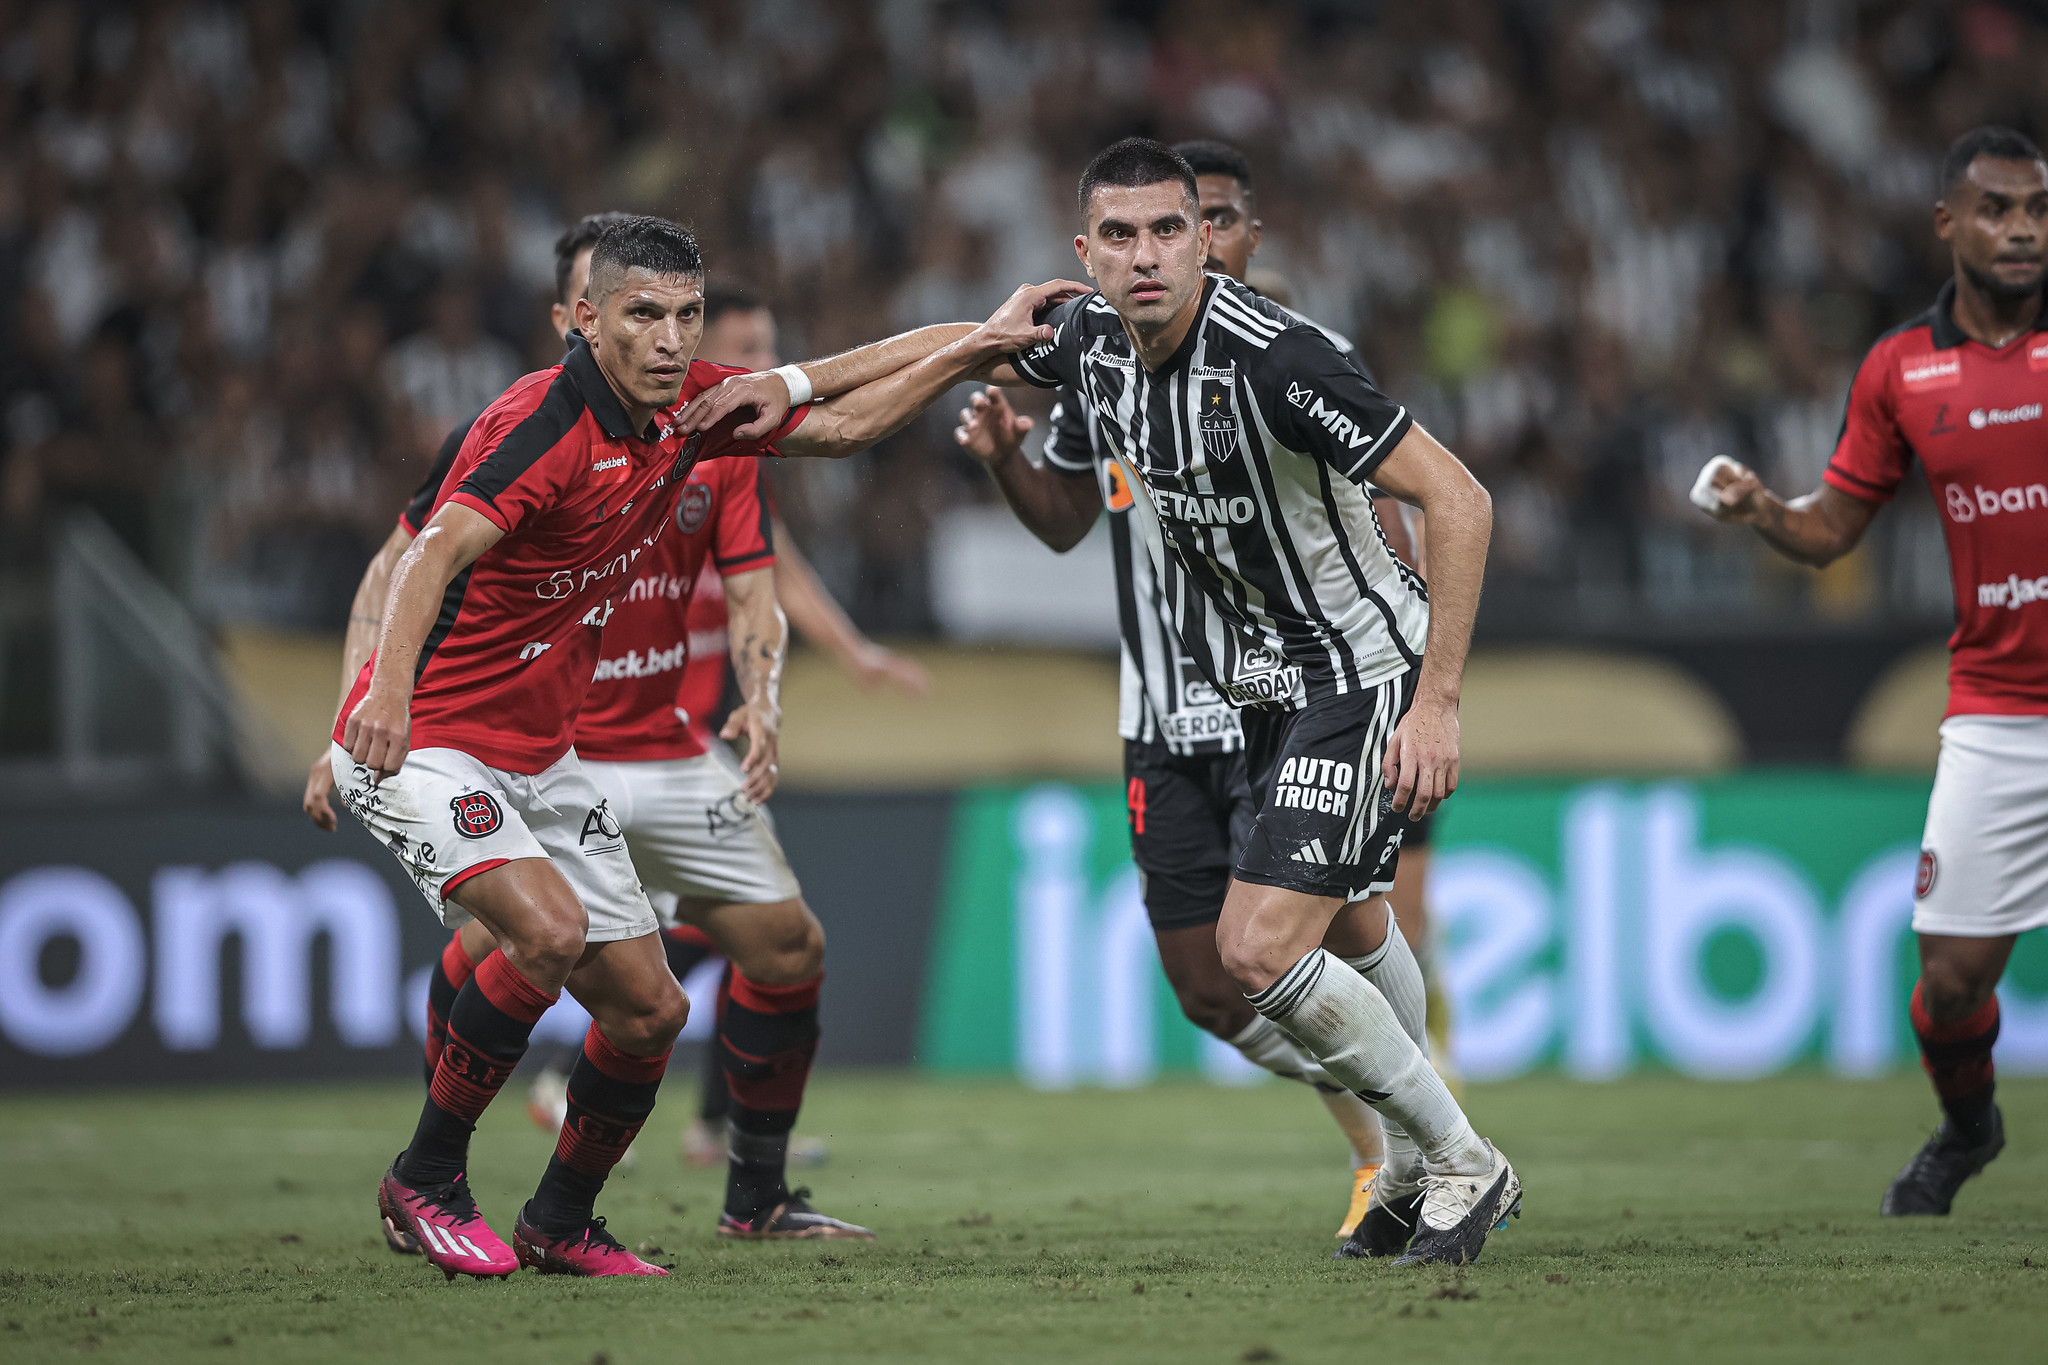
(760, 643)
(1817, 529)
(1422, 756)
(378, 732)
(1058, 508)
(365, 619)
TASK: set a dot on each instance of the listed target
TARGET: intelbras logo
(1334, 422)
(1981, 418)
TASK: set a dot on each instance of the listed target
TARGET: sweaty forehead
(1138, 204)
(670, 291)
(2014, 177)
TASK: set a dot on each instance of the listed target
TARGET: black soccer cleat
(1928, 1184)
(1458, 1211)
(1386, 1229)
(791, 1219)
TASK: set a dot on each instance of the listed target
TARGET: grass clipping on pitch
(1666, 1220)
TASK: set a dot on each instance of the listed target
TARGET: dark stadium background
(256, 259)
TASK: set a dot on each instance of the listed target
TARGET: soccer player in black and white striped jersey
(1247, 438)
(1189, 800)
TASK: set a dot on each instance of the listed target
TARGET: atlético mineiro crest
(693, 509)
(1923, 880)
(476, 815)
(1218, 419)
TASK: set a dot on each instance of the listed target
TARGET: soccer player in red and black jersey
(1963, 389)
(454, 745)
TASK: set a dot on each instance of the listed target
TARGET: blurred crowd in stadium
(256, 258)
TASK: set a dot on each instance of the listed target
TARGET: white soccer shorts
(1984, 857)
(446, 816)
(692, 830)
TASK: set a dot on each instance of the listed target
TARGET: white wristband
(1705, 495)
(799, 383)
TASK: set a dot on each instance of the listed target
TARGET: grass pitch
(1666, 1220)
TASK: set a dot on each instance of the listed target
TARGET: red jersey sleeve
(742, 536)
(720, 442)
(519, 459)
(1871, 455)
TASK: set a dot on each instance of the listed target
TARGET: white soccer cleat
(1458, 1211)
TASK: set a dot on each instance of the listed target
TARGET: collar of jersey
(596, 391)
(1942, 325)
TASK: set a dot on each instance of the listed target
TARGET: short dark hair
(1216, 158)
(721, 299)
(643, 242)
(1134, 162)
(1992, 140)
(576, 239)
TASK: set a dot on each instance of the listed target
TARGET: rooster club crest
(693, 509)
(476, 815)
(1217, 418)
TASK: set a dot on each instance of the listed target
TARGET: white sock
(1263, 1044)
(1396, 974)
(1343, 1021)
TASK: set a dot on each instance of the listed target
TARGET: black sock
(488, 1027)
(611, 1093)
(767, 1036)
(451, 971)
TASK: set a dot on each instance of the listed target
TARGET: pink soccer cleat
(589, 1251)
(444, 1223)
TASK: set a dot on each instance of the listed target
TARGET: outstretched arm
(1059, 508)
(1422, 756)
(365, 619)
(1817, 529)
(760, 644)
(814, 615)
(767, 393)
(855, 421)
(379, 730)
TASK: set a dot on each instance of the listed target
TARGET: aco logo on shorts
(476, 815)
(1923, 880)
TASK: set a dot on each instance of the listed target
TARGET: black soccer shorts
(1189, 818)
(1326, 825)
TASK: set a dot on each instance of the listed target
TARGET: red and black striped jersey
(581, 498)
(663, 668)
(1973, 415)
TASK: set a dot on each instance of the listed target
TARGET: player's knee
(1249, 964)
(1953, 990)
(792, 951)
(649, 1026)
(1210, 1009)
(550, 948)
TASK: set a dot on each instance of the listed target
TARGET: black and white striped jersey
(1163, 698)
(1253, 445)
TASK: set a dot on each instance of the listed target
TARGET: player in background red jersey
(1963, 389)
(561, 486)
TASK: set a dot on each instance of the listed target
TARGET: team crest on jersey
(1923, 880)
(476, 815)
(1217, 418)
(693, 509)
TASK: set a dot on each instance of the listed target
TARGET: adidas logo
(1312, 852)
(449, 1243)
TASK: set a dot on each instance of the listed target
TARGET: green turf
(1666, 1220)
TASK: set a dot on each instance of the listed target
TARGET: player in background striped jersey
(1189, 801)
